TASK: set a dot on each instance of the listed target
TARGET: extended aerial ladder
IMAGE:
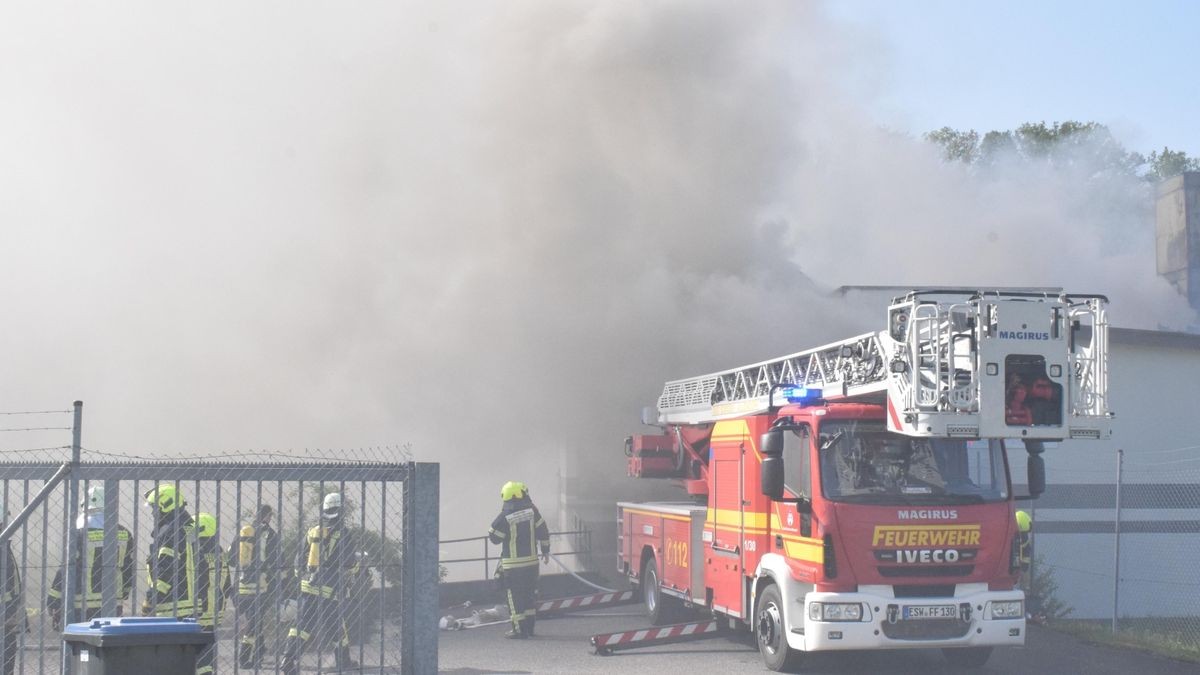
(949, 364)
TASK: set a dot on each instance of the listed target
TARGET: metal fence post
(70, 583)
(1117, 554)
(419, 586)
(110, 576)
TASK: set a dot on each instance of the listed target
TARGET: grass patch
(1173, 637)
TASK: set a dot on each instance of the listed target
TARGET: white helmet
(331, 508)
(94, 502)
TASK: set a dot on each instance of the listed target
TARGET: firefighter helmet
(331, 507)
(1024, 522)
(164, 498)
(94, 501)
(207, 525)
(513, 489)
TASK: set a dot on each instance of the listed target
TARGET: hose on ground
(585, 581)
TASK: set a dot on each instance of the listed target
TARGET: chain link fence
(1118, 552)
(373, 608)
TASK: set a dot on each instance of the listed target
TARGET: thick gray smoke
(491, 230)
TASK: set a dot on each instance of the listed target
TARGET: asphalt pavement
(562, 646)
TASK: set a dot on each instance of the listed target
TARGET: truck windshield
(864, 463)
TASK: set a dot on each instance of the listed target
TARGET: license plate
(931, 612)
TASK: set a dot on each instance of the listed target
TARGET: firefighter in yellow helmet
(1024, 528)
(212, 585)
(171, 564)
(327, 563)
(518, 529)
(88, 561)
(259, 560)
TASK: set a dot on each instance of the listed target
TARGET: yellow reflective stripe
(312, 589)
(191, 566)
(732, 517)
(162, 586)
(55, 593)
(509, 564)
(498, 533)
(182, 608)
(167, 551)
(803, 550)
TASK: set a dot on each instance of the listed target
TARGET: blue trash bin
(122, 645)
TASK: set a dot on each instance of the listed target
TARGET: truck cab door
(726, 519)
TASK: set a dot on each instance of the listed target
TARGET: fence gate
(387, 602)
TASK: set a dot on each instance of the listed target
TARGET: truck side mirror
(772, 464)
(1035, 470)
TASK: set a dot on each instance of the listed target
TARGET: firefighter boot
(246, 653)
(343, 660)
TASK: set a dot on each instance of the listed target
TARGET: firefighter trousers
(318, 620)
(520, 584)
(252, 609)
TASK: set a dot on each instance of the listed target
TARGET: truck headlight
(835, 611)
(1008, 609)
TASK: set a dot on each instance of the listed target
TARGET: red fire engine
(857, 495)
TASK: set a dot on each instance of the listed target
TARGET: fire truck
(857, 495)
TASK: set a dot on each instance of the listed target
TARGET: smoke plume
(488, 230)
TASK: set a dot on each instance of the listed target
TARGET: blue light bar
(801, 394)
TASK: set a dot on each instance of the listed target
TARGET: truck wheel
(967, 657)
(771, 630)
(652, 593)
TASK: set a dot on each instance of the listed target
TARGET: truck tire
(770, 629)
(967, 657)
(656, 609)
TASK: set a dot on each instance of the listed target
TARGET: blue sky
(993, 65)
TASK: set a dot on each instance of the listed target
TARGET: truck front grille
(926, 629)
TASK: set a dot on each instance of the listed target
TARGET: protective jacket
(212, 582)
(519, 529)
(327, 562)
(89, 563)
(259, 560)
(13, 595)
(171, 566)
(14, 621)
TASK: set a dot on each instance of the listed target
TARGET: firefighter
(327, 563)
(518, 528)
(212, 585)
(89, 560)
(12, 605)
(1024, 528)
(171, 563)
(259, 560)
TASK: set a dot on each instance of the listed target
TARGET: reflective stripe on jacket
(259, 559)
(171, 567)
(520, 531)
(327, 561)
(89, 563)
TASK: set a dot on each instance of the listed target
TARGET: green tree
(1170, 163)
(957, 146)
(1087, 145)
